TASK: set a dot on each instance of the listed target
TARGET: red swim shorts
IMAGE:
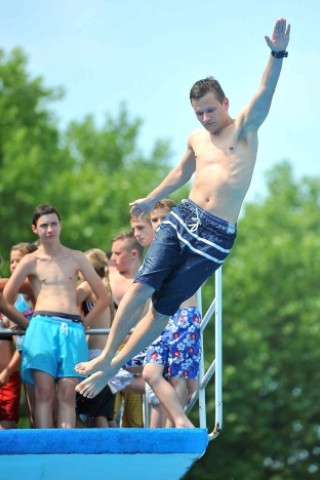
(10, 398)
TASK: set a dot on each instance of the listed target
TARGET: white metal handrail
(214, 310)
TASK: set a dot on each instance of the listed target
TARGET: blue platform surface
(100, 454)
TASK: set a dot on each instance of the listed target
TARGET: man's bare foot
(91, 386)
(94, 365)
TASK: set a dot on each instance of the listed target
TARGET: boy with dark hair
(55, 338)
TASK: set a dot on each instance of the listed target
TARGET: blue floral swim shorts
(178, 347)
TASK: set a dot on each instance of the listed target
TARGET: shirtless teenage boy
(199, 233)
(55, 339)
(126, 257)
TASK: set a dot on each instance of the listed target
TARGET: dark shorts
(100, 406)
(189, 245)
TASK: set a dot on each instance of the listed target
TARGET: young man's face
(212, 114)
(48, 227)
(158, 215)
(121, 257)
(142, 230)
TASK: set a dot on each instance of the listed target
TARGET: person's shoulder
(245, 123)
(196, 135)
(78, 256)
(198, 132)
(27, 265)
(29, 259)
(74, 252)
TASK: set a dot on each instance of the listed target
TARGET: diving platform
(120, 453)
(100, 454)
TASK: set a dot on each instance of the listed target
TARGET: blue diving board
(100, 454)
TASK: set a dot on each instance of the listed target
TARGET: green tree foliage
(108, 172)
(271, 330)
(29, 153)
(89, 172)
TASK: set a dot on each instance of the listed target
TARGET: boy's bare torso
(120, 284)
(54, 280)
(224, 167)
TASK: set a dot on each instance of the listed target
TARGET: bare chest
(226, 157)
(50, 272)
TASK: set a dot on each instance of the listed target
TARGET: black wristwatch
(281, 54)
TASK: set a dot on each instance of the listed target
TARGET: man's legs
(66, 402)
(151, 374)
(158, 416)
(45, 395)
(180, 387)
(127, 316)
(147, 330)
(192, 387)
(167, 396)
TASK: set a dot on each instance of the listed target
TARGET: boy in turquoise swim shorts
(55, 338)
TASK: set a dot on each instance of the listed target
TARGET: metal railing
(214, 311)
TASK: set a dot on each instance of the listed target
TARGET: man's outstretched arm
(256, 112)
(178, 177)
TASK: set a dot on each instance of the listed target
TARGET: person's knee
(147, 374)
(44, 394)
(66, 391)
(179, 384)
(151, 375)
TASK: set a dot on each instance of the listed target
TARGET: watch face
(281, 54)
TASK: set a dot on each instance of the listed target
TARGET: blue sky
(148, 53)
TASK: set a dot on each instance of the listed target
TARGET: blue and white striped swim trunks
(189, 245)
